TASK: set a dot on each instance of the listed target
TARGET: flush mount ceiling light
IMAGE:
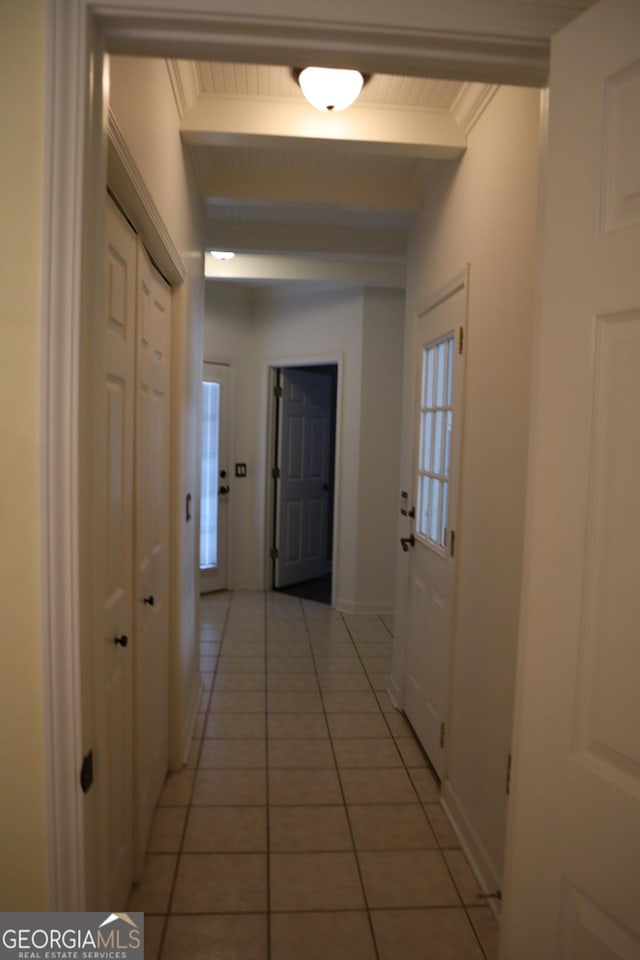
(222, 254)
(330, 90)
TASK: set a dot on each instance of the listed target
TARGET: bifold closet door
(131, 516)
(151, 553)
(113, 519)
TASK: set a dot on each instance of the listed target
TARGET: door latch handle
(150, 600)
(224, 489)
(407, 542)
(122, 641)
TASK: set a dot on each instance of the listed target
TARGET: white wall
(306, 324)
(303, 325)
(229, 337)
(379, 455)
(142, 102)
(484, 211)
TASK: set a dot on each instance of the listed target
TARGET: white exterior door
(215, 485)
(437, 443)
(573, 861)
(152, 543)
(114, 458)
(304, 485)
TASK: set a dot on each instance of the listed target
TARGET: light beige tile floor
(307, 822)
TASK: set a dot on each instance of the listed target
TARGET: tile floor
(306, 824)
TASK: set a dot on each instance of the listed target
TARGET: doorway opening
(304, 457)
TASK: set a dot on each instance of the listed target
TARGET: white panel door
(573, 861)
(215, 485)
(152, 543)
(114, 561)
(304, 485)
(437, 444)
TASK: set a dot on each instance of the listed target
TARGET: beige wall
(23, 880)
(311, 323)
(379, 453)
(484, 211)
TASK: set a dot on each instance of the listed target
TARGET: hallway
(307, 823)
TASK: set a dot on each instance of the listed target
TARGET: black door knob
(150, 600)
(122, 641)
(407, 542)
(224, 490)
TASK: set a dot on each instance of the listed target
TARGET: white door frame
(273, 365)
(78, 33)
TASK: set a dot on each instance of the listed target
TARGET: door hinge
(275, 553)
(452, 544)
(460, 339)
(508, 782)
(277, 391)
(275, 473)
(86, 772)
(443, 728)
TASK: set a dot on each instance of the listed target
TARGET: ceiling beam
(245, 121)
(490, 41)
(305, 238)
(360, 192)
(261, 269)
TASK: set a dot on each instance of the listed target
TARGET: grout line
(207, 704)
(196, 769)
(266, 774)
(188, 806)
(345, 806)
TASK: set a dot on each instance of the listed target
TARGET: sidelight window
(209, 478)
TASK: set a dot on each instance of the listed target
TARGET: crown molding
(183, 84)
(471, 103)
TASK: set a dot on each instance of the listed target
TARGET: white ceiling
(279, 177)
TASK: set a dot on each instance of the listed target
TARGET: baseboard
(395, 693)
(372, 607)
(191, 716)
(484, 870)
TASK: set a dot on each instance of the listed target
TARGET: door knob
(407, 542)
(122, 641)
(224, 489)
(150, 600)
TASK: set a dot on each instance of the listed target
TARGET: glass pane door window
(436, 422)
(209, 478)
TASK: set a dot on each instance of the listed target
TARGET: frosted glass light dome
(330, 90)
